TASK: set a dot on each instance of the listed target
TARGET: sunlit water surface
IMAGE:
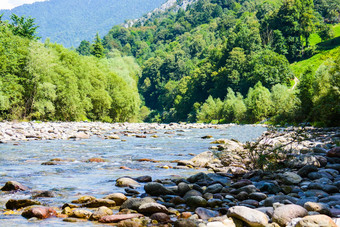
(21, 161)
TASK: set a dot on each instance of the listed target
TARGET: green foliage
(24, 27)
(48, 82)
(259, 103)
(97, 48)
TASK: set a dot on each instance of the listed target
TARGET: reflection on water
(74, 176)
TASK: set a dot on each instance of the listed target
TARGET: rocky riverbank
(25, 131)
(285, 178)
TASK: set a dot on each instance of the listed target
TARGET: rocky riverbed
(286, 178)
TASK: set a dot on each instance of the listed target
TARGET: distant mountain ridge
(68, 22)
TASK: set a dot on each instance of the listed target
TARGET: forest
(217, 61)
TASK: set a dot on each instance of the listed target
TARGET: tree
(84, 48)
(97, 48)
(259, 103)
(24, 27)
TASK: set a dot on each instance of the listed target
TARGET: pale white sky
(10, 4)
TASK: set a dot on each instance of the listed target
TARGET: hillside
(68, 22)
(230, 61)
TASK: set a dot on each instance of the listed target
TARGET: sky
(10, 4)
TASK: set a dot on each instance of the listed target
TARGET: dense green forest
(68, 22)
(219, 61)
(230, 61)
(45, 81)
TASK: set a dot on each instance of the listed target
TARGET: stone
(81, 213)
(270, 187)
(279, 199)
(290, 178)
(198, 177)
(228, 222)
(304, 171)
(183, 188)
(95, 160)
(157, 189)
(44, 194)
(250, 216)
(39, 212)
(284, 214)
(257, 196)
(241, 183)
(160, 217)
(14, 204)
(126, 182)
(119, 198)
(135, 203)
(334, 152)
(101, 212)
(151, 208)
(321, 208)
(192, 192)
(185, 223)
(196, 201)
(206, 214)
(203, 159)
(84, 199)
(316, 221)
(100, 202)
(214, 188)
(143, 179)
(13, 186)
(118, 218)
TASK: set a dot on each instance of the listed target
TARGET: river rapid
(71, 174)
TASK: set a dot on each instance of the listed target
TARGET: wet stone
(13, 204)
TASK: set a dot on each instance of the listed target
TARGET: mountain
(68, 22)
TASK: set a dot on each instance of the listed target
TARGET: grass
(326, 50)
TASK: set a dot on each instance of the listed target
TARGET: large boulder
(285, 213)
(250, 216)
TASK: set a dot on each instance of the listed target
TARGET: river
(74, 175)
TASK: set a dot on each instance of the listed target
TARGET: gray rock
(192, 192)
(161, 217)
(304, 171)
(206, 214)
(284, 214)
(258, 196)
(198, 177)
(185, 223)
(135, 203)
(156, 189)
(151, 208)
(215, 188)
(278, 199)
(204, 159)
(290, 178)
(269, 187)
(196, 201)
(183, 188)
(250, 216)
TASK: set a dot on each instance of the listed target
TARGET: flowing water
(21, 161)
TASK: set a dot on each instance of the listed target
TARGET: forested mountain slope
(229, 60)
(68, 22)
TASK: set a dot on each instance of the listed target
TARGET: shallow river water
(21, 161)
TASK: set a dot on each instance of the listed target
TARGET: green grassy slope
(328, 50)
